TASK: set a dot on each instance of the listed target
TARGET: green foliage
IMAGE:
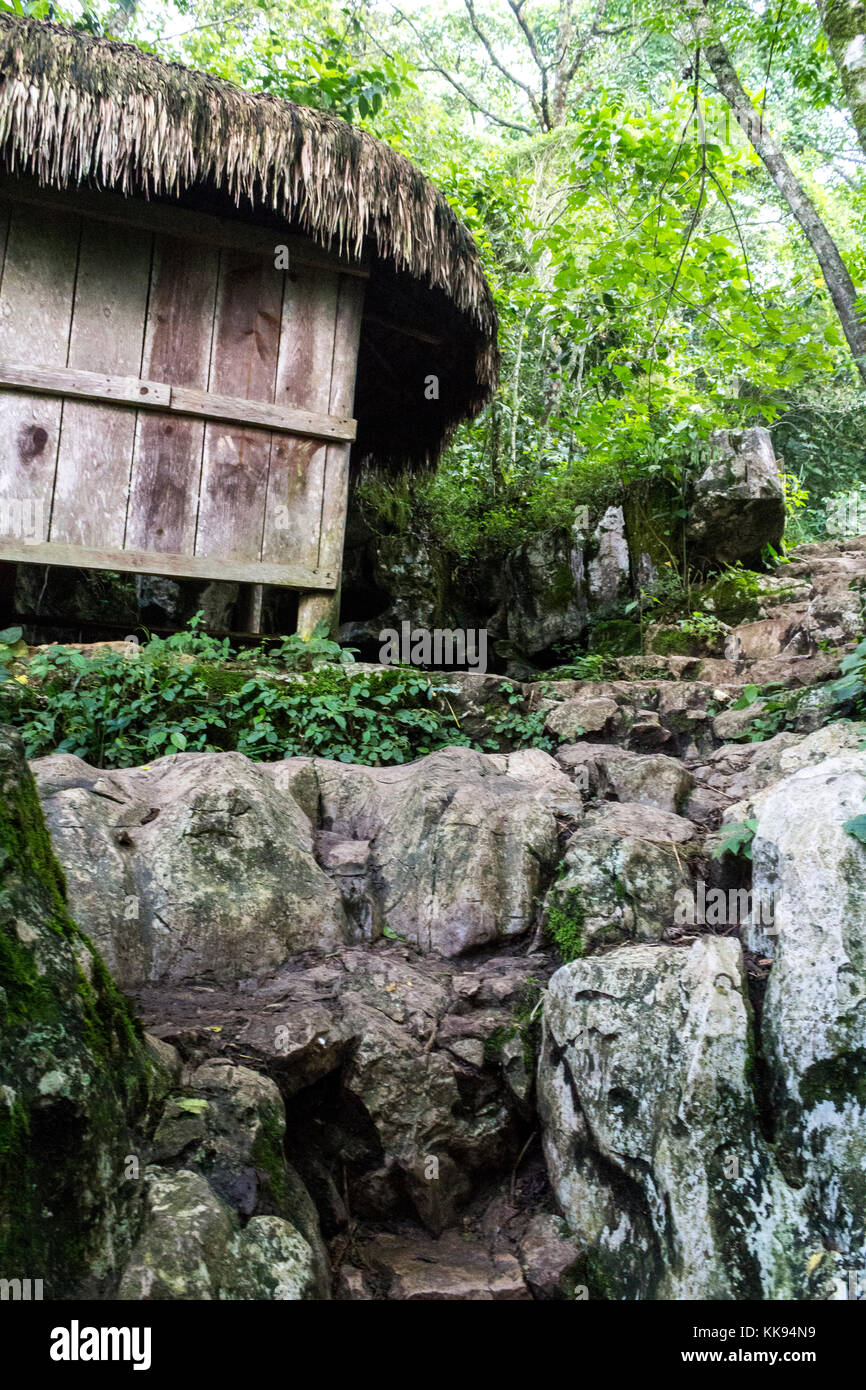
(737, 839)
(11, 647)
(704, 628)
(513, 726)
(312, 54)
(615, 637)
(185, 693)
(526, 1026)
(852, 683)
(591, 667)
(465, 512)
(734, 596)
(775, 713)
(566, 922)
(647, 290)
(856, 826)
(296, 653)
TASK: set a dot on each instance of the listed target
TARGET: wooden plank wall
(36, 298)
(126, 300)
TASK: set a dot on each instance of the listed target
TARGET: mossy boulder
(615, 637)
(736, 504)
(735, 597)
(74, 1073)
(672, 641)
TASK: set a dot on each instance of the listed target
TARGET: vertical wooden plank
(96, 442)
(316, 608)
(293, 515)
(234, 475)
(8, 571)
(346, 338)
(35, 313)
(254, 599)
(167, 459)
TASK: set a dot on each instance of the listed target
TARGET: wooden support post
(251, 614)
(316, 608)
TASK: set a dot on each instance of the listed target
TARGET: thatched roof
(80, 110)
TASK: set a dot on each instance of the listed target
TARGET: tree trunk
(833, 268)
(844, 24)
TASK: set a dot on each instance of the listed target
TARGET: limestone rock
(548, 1256)
(608, 571)
(196, 863)
(448, 1269)
(459, 840)
(229, 1124)
(269, 1259)
(191, 1248)
(813, 1020)
(651, 1133)
(544, 594)
(621, 873)
(182, 1252)
(607, 771)
(584, 714)
(738, 503)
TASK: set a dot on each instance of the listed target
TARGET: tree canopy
(669, 198)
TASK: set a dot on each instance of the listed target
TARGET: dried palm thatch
(76, 109)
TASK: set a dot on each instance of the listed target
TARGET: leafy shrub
(737, 839)
(514, 726)
(852, 683)
(186, 693)
(770, 719)
(705, 628)
(11, 647)
(591, 667)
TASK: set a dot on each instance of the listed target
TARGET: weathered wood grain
(293, 515)
(180, 400)
(160, 562)
(163, 498)
(91, 386)
(243, 363)
(94, 460)
(335, 499)
(315, 608)
(35, 315)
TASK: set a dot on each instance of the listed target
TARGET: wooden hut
(211, 301)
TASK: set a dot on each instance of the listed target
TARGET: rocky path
(375, 1078)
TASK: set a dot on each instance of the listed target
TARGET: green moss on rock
(616, 637)
(73, 1072)
(735, 597)
(566, 923)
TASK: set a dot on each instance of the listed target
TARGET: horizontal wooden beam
(177, 400)
(290, 419)
(176, 566)
(172, 220)
(93, 386)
